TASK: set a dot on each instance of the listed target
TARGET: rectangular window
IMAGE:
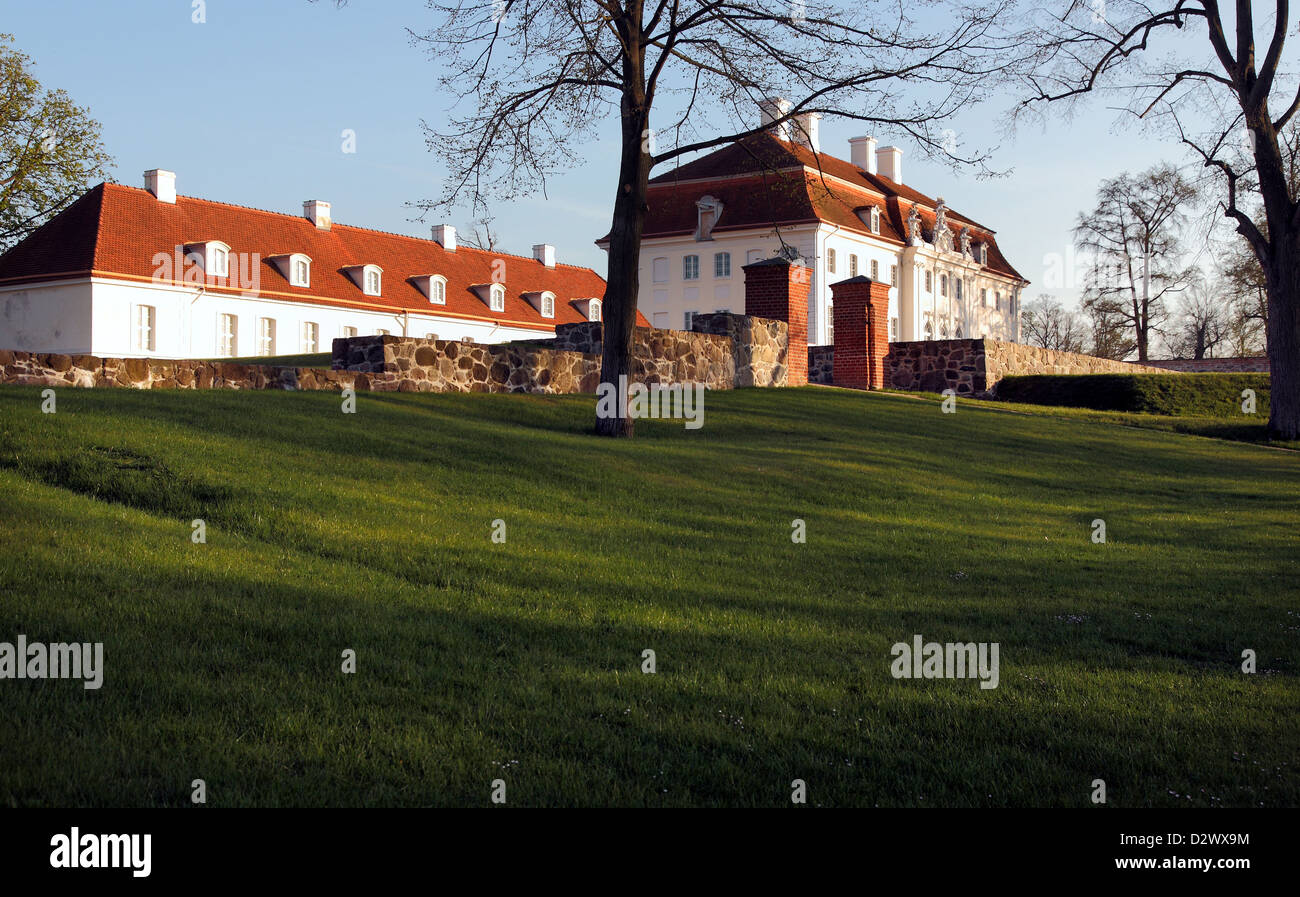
(929, 282)
(661, 320)
(853, 265)
(310, 336)
(349, 332)
(381, 332)
(227, 335)
(722, 264)
(689, 320)
(893, 328)
(893, 275)
(830, 261)
(959, 283)
(659, 268)
(691, 267)
(146, 317)
(875, 270)
(265, 336)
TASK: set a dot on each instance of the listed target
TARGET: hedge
(1190, 395)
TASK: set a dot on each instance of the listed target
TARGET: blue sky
(249, 108)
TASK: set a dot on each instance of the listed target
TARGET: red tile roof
(763, 181)
(116, 231)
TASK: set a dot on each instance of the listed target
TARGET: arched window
(874, 220)
(497, 300)
(220, 257)
(371, 280)
(438, 290)
(548, 305)
(957, 335)
(929, 330)
(943, 330)
(593, 310)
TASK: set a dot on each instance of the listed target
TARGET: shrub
(1187, 395)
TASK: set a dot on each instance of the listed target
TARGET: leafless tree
(1218, 93)
(480, 235)
(1132, 240)
(1110, 335)
(536, 77)
(1203, 321)
(1047, 323)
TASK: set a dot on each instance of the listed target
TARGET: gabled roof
(114, 230)
(765, 181)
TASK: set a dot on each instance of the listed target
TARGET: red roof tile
(114, 230)
(763, 180)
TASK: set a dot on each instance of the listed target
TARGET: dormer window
(708, 210)
(873, 220)
(497, 297)
(300, 271)
(433, 286)
(543, 301)
(368, 277)
(212, 256)
(372, 281)
(982, 253)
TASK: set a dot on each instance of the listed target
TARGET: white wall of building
(101, 316)
(666, 295)
(54, 315)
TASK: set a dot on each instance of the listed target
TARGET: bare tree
(1203, 321)
(1110, 336)
(480, 235)
(1045, 322)
(1220, 97)
(535, 78)
(1132, 242)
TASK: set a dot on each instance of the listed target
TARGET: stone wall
(1256, 365)
(407, 364)
(821, 364)
(46, 369)
(971, 366)
(759, 347)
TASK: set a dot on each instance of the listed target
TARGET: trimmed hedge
(1189, 395)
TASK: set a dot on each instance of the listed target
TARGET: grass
(305, 360)
(1198, 395)
(522, 661)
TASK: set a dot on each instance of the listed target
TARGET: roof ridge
(335, 224)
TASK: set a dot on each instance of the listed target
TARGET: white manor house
(127, 272)
(776, 193)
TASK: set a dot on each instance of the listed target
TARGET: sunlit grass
(522, 660)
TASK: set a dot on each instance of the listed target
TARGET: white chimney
(317, 212)
(862, 153)
(804, 130)
(446, 235)
(772, 109)
(891, 163)
(545, 253)
(161, 183)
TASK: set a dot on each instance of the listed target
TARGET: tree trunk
(1284, 336)
(622, 283)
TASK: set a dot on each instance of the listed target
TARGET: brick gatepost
(777, 288)
(861, 332)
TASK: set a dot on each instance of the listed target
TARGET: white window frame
(547, 305)
(497, 297)
(218, 259)
(299, 270)
(874, 220)
(310, 337)
(437, 290)
(372, 280)
(875, 269)
(266, 337)
(721, 264)
(853, 264)
(347, 332)
(227, 335)
(688, 319)
(690, 267)
(830, 260)
(593, 310)
(146, 328)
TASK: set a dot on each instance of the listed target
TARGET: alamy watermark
(677, 400)
(953, 660)
(58, 660)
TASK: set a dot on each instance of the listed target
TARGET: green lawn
(522, 661)
(305, 360)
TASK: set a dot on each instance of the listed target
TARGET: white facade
(987, 307)
(119, 318)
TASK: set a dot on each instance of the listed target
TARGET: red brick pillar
(777, 288)
(861, 333)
